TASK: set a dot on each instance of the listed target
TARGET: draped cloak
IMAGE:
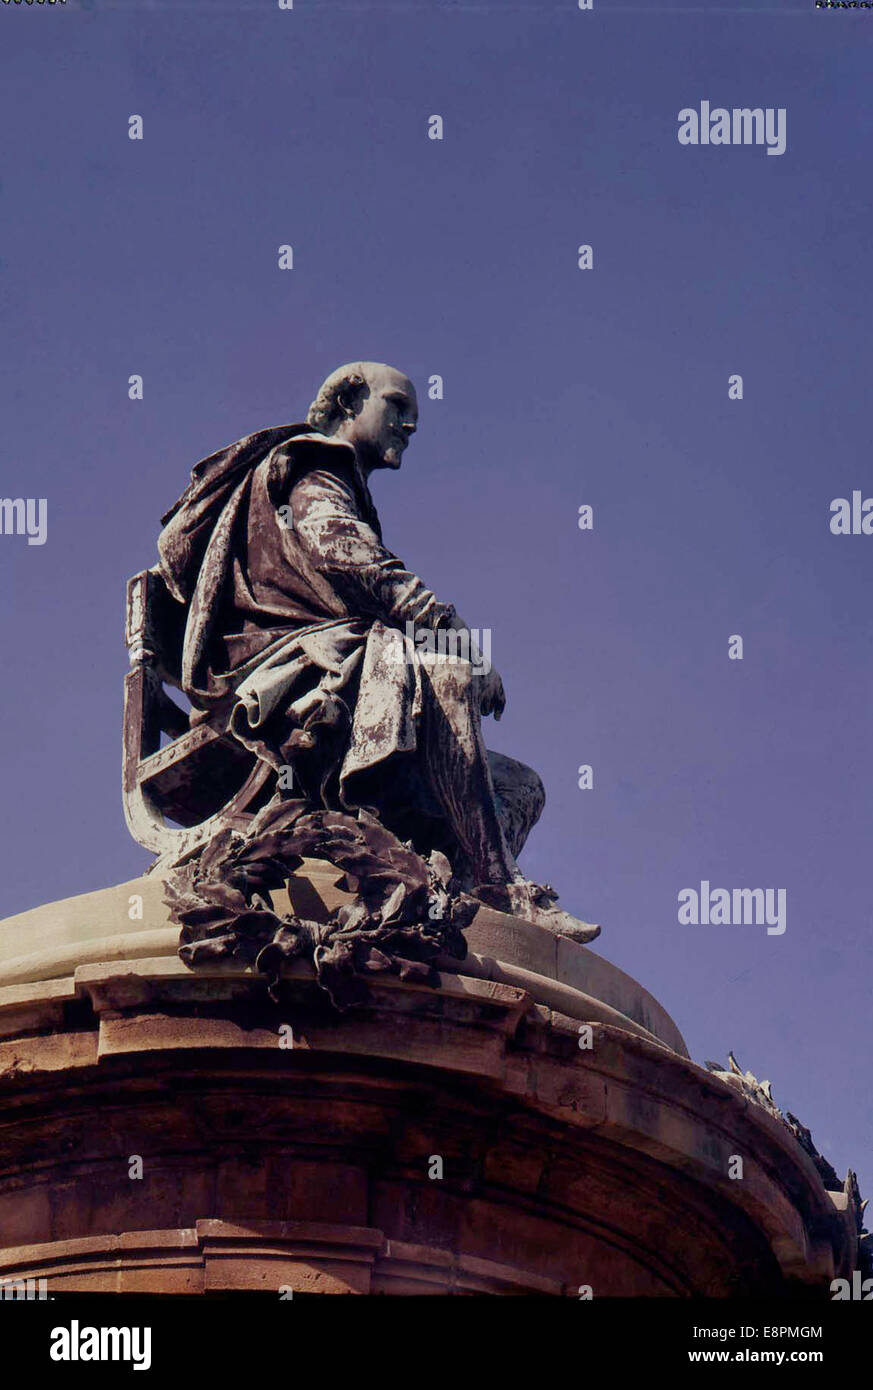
(294, 607)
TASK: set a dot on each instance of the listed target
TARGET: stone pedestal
(317, 1167)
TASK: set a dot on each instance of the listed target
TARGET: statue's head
(371, 405)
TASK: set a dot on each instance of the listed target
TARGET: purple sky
(561, 387)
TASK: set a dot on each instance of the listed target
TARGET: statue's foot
(535, 903)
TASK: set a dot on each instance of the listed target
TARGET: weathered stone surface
(355, 710)
(561, 1166)
(95, 929)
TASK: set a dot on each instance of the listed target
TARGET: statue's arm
(346, 551)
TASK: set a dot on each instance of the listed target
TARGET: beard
(391, 456)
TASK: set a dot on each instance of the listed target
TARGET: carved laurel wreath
(404, 915)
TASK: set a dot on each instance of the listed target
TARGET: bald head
(372, 406)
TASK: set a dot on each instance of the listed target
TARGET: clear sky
(562, 387)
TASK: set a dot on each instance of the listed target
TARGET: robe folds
(293, 609)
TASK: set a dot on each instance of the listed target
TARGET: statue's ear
(346, 402)
(351, 395)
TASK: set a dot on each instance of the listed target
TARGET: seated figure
(298, 634)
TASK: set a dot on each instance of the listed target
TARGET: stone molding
(564, 1165)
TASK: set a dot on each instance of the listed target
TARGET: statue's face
(385, 419)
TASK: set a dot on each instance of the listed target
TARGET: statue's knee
(537, 792)
(449, 674)
(518, 784)
(530, 790)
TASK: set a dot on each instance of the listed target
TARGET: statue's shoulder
(295, 459)
(312, 449)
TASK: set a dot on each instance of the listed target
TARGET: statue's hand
(492, 699)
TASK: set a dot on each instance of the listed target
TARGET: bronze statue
(280, 614)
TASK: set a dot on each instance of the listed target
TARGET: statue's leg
(520, 797)
(489, 826)
(458, 768)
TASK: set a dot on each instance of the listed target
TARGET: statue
(317, 714)
(760, 1093)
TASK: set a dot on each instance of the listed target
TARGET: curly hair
(326, 412)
